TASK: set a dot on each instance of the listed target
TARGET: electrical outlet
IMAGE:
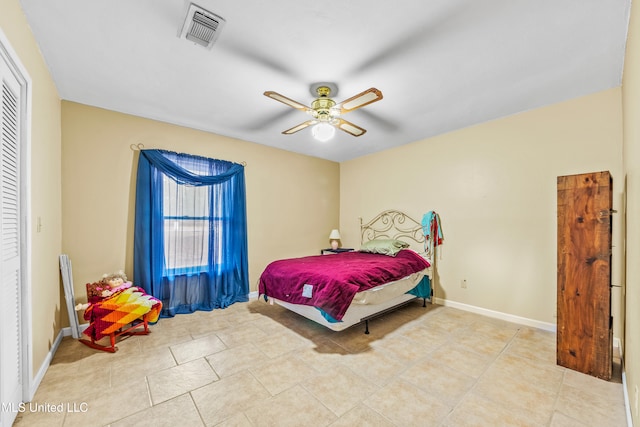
(463, 283)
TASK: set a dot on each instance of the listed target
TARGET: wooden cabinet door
(584, 336)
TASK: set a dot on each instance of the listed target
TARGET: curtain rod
(139, 146)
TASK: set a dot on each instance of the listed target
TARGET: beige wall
(292, 200)
(45, 184)
(494, 186)
(631, 147)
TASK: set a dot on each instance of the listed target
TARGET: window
(191, 231)
(186, 228)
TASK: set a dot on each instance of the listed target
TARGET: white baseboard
(37, 379)
(67, 331)
(551, 327)
(479, 310)
(627, 404)
(618, 344)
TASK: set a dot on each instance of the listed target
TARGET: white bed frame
(390, 224)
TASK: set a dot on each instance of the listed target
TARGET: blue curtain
(190, 238)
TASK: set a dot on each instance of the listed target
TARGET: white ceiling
(440, 64)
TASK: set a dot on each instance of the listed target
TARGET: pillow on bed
(384, 246)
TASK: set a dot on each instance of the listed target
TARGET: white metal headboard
(393, 224)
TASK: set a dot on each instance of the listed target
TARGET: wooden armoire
(584, 336)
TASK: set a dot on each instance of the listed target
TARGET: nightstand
(335, 251)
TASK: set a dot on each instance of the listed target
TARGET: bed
(340, 290)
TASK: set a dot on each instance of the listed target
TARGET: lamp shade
(335, 235)
(323, 131)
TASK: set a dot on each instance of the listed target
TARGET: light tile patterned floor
(254, 364)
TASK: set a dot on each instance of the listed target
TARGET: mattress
(365, 304)
(330, 283)
(390, 290)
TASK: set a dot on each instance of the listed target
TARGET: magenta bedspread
(329, 282)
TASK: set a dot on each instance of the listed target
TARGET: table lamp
(335, 239)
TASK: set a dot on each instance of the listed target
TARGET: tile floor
(254, 364)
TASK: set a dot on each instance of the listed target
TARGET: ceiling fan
(326, 112)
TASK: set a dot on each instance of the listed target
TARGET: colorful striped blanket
(120, 309)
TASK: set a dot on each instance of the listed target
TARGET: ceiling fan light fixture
(323, 131)
(326, 113)
(323, 107)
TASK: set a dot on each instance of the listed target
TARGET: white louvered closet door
(10, 305)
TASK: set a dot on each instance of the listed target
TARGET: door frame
(24, 79)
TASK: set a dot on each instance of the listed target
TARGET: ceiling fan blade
(382, 122)
(256, 57)
(290, 102)
(300, 127)
(265, 121)
(360, 100)
(437, 26)
(350, 128)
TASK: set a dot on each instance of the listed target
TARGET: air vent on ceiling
(201, 26)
